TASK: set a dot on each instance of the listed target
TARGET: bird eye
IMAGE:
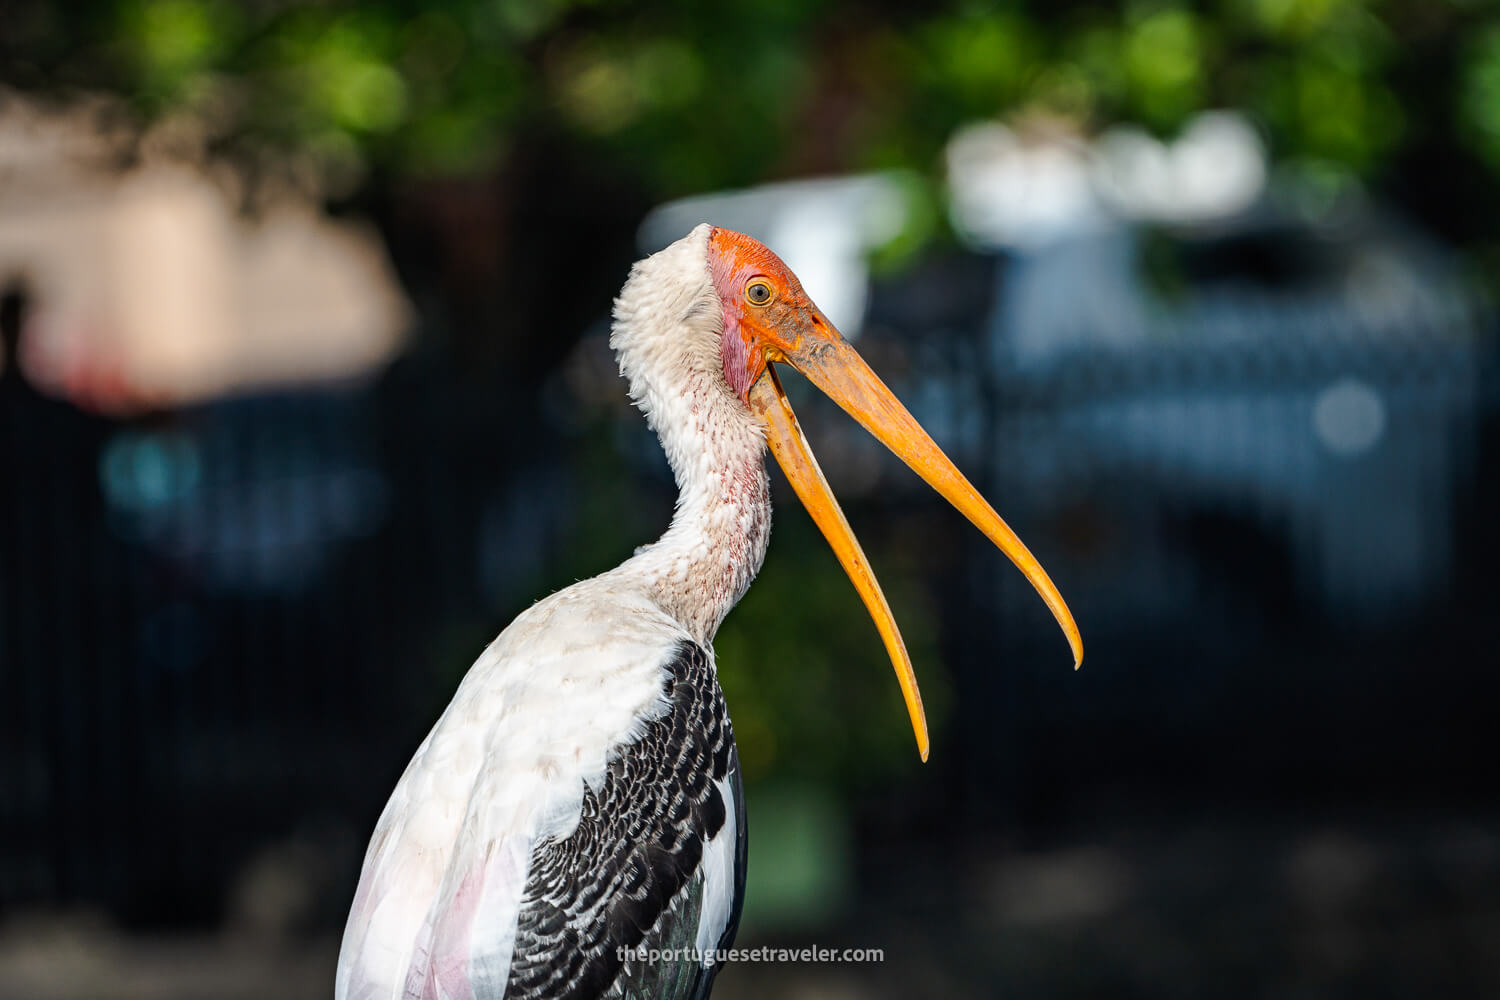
(758, 293)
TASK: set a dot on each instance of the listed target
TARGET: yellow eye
(758, 293)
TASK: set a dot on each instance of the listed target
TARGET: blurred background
(305, 392)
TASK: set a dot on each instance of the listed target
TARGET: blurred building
(149, 285)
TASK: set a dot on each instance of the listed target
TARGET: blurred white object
(1006, 190)
(823, 230)
(1021, 190)
(1215, 169)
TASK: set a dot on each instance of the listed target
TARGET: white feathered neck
(667, 331)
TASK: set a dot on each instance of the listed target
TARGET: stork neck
(700, 568)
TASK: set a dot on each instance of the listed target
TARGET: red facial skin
(757, 334)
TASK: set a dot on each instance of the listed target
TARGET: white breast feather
(718, 873)
(505, 765)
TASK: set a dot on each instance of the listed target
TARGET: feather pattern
(631, 873)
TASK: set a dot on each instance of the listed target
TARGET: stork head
(769, 320)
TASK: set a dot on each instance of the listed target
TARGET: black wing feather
(629, 874)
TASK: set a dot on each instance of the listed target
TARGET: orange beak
(818, 351)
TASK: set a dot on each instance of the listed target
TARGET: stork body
(581, 793)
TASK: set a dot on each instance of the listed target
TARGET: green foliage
(1163, 57)
(803, 871)
(173, 41)
(807, 679)
(696, 96)
(1480, 96)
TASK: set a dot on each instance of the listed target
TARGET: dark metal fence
(1268, 538)
(1266, 512)
(204, 612)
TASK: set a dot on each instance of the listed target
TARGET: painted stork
(581, 793)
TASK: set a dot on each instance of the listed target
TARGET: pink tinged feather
(733, 346)
(736, 358)
(447, 971)
(464, 949)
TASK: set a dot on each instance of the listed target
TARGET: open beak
(837, 369)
